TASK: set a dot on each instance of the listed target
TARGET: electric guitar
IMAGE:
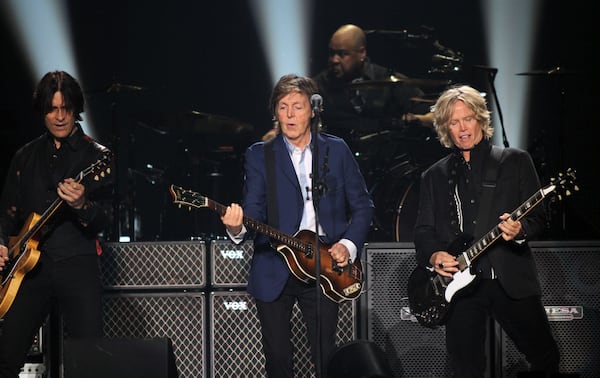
(430, 294)
(23, 250)
(299, 251)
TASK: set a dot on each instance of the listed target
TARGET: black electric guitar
(430, 294)
(338, 284)
(23, 250)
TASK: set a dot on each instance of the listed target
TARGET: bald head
(347, 52)
(350, 35)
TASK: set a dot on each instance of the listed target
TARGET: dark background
(206, 56)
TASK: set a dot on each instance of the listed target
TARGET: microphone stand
(317, 188)
(491, 71)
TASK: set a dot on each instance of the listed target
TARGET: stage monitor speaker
(359, 359)
(177, 316)
(154, 265)
(569, 273)
(230, 263)
(235, 342)
(119, 358)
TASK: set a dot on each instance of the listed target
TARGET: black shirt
(30, 187)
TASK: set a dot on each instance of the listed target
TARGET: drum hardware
(196, 122)
(394, 81)
(550, 72)
(400, 34)
(120, 147)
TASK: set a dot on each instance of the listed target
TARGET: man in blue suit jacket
(345, 211)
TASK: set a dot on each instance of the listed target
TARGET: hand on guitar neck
(72, 192)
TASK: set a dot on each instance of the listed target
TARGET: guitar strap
(489, 185)
(273, 220)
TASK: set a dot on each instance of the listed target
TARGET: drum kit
(392, 155)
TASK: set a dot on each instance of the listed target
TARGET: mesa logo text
(564, 313)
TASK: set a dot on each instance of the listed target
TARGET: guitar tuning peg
(108, 171)
(96, 178)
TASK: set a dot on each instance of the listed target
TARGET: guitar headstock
(564, 184)
(188, 198)
(99, 169)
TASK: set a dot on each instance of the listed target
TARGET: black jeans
(73, 284)
(523, 320)
(275, 321)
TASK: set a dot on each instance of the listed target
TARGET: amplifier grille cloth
(154, 265)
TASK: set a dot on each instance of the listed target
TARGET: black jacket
(437, 220)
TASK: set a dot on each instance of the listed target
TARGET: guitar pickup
(348, 291)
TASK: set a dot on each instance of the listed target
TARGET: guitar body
(19, 264)
(430, 294)
(337, 283)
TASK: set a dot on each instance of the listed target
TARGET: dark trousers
(73, 284)
(276, 327)
(523, 320)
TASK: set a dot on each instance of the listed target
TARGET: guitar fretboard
(488, 239)
(262, 228)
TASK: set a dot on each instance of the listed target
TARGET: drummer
(351, 104)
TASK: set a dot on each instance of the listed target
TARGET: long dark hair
(58, 81)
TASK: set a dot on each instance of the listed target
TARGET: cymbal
(205, 123)
(120, 87)
(549, 72)
(424, 99)
(117, 87)
(397, 82)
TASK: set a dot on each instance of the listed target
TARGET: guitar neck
(486, 241)
(260, 227)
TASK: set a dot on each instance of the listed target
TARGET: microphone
(316, 101)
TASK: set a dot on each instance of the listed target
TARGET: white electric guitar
(430, 294)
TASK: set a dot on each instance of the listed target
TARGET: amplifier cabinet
(411, 349)
(154, 265)
(179, 317)
(569, 272)
(235, 343)
(230, 263)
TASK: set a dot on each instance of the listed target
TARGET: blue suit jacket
(345, 210)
